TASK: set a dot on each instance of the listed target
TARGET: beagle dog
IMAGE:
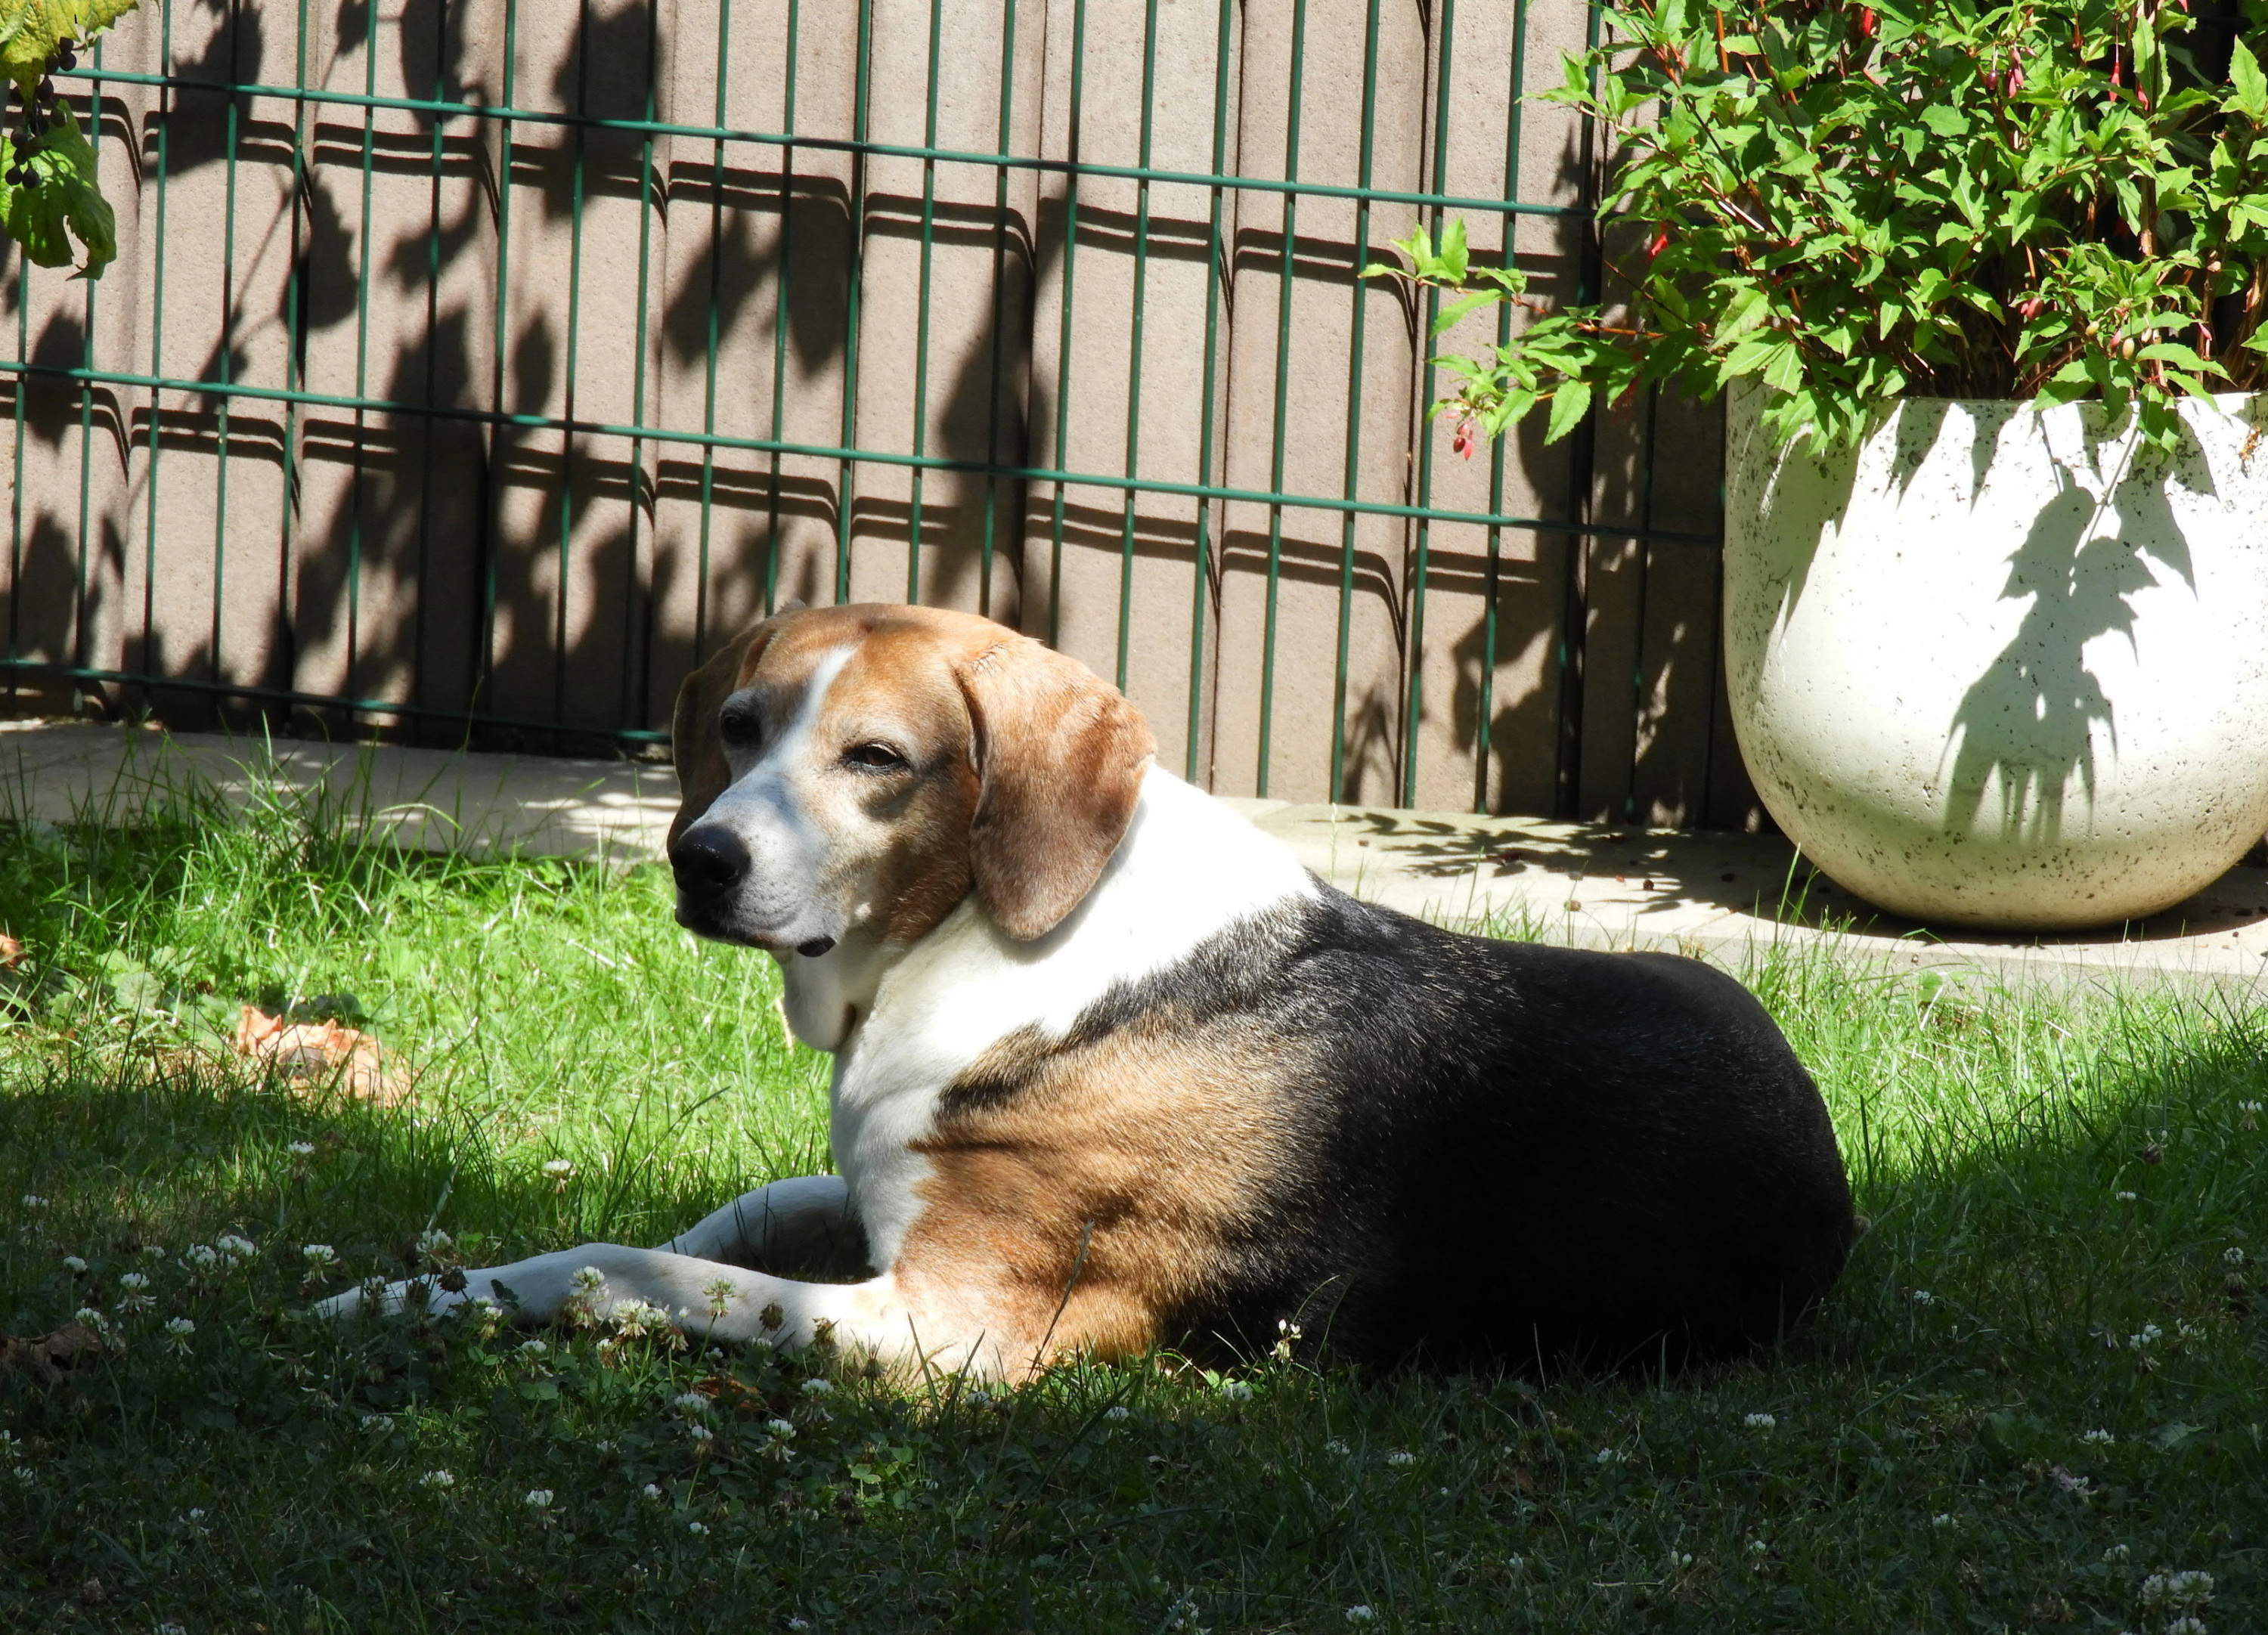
(1113, 1071)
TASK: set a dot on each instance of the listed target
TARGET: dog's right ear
(694, 743)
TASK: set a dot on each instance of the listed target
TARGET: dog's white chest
(1188, 869)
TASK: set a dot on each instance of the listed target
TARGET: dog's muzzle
(711, 865)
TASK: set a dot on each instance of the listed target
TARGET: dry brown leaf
(12, 952)
(50, 1356)
(320, 1054)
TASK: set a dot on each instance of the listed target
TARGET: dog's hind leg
(804, 1225)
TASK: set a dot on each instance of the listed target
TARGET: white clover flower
(153, 1251)
(1335, 1446)
(377, 1424)
(436, 1479)
(558, 1168)
(701, 1434)
(1923, 1297)
(538, 1499)
(690, 1402)
(2068, 1482)
(799, 1624)
(2148, 1334)
(25, 1473)
(2189, 1589)
(2116, 1554)
(1235, 1391)
(74, 1265)
(1760, 1422)
(2122, 1197)
(171, 1627)
(1943, 1519)
(202, 1257)
(317, 1256)
(1610, 1456)
(193, 1516)
(2097, 1438)
(1399, 1456)
(9, 1447)
(1679, 1560)
(301, 1149)
(434, 1241)
(133, 1281)
(1757, 1546)
(977, 1398)
(2233, 1255)
(236, 1248)
(535, 1348)
(697, 1527)
(720, 1292)
(180, 1328)
(780, 1428)
(653, 1490)
(134, 1305)
(1117, 1410)
(1360, 1614)
(818, 1386)
(1515, 1564)
(32, 1200)
(92, 1317)
(2186, 1625)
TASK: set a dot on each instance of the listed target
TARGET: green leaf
(33, 28)
(1453, 250)
(2249, 94)
(1945, 121)
(1570, 402)
(61, 201)
(1457, 311)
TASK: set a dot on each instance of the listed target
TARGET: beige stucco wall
(357, 553)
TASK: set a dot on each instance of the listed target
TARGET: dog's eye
(741, 729)
(875, 758)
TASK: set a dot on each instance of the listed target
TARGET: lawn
(2035, 1399)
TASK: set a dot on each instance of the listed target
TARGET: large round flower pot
(2005, 667)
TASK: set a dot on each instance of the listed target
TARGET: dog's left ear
(695, 744)
(1059, 757)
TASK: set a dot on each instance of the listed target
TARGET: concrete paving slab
(1724, 896)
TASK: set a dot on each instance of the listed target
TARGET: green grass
(1927, 1464)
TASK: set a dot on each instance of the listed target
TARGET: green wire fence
(470, 370)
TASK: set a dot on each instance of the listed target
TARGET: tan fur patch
(1152, 1149)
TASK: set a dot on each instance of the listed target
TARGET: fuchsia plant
(2058, 200)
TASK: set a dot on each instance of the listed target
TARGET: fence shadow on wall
(468, 371)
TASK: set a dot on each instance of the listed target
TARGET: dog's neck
(1188, 867)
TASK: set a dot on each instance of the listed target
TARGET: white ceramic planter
(1997, 667)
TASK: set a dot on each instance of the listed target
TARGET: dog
(1113, 1071)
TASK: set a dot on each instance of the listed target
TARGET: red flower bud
(1658, 243)
(1464, 440)
(1866, 21)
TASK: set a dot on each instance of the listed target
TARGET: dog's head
(867, 767)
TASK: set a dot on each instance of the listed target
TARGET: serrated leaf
(1453, 256)
(33, 28)
(2249, 92)
(1458, 310)
(1570, 402)
(60, 202)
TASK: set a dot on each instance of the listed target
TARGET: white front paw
(388, 1299)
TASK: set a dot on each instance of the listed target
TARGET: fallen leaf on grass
(320, 1054)
(50, 1356)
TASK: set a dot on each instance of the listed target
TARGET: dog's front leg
(708, 1300)
(803, 1224)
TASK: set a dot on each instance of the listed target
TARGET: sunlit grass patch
(2034, 1401)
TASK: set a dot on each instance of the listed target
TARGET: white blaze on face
(766, 808)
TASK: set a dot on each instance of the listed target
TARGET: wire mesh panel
(472, 370)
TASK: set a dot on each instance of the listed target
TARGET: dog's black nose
(708, 858)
